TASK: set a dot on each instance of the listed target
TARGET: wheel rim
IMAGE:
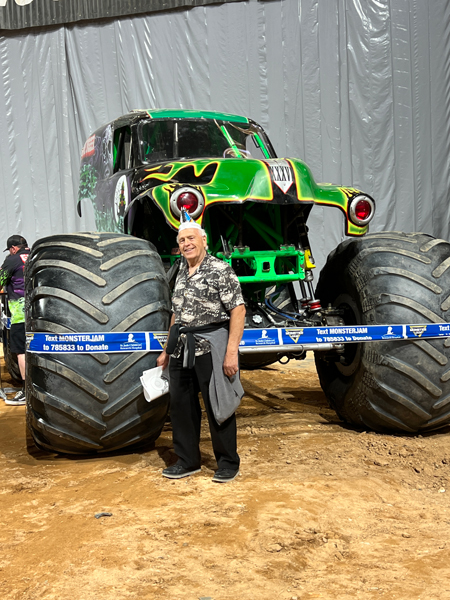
(352, 352)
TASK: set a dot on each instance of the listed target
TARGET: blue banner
(145, 341)
(345, 334)
(87, 343)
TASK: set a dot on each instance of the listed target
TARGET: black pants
(185, 414)
(17, 338)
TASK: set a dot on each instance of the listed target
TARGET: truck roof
(178, 113)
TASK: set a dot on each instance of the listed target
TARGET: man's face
(192, 244)
(13, 249)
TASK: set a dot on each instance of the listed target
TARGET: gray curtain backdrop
(359, 89)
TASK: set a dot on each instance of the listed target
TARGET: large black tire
(389, 278)
(93, 282)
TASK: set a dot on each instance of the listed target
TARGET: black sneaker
(18, 400)
(225, 475)
(178, 472)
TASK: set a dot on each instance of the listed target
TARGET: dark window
(123, 158)
(163, 140)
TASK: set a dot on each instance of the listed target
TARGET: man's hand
(231, 364)
(163, 360)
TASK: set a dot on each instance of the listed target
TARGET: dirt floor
(320, 510)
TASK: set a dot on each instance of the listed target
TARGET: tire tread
(396, 385)
(93, 283)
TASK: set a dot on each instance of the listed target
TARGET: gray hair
(199, 229)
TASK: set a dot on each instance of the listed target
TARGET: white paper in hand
(155, 383)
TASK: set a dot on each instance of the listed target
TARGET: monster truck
(137, 174)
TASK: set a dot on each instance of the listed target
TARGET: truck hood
(237, 180)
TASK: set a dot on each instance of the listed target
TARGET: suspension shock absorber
(313, 304)
(307, 301)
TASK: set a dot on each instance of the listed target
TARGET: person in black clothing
(207, 294)
(11, 276)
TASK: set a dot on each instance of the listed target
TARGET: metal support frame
(263, 263)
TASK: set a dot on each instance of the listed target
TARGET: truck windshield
(168, 139)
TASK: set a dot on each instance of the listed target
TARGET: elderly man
(205, 332)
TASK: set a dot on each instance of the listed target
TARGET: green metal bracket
(170, 258)
(265, 264)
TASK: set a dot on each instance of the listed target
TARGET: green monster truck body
(138, 172)
(223, 169)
